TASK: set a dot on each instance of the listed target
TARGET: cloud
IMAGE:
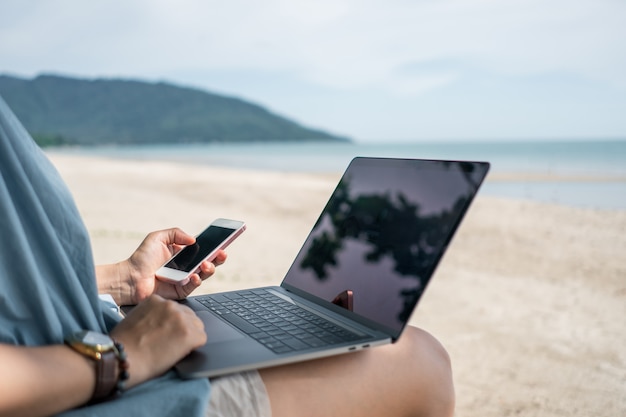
(321, 60)
(345, 44)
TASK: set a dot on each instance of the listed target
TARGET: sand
(530, 300)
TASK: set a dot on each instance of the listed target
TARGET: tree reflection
(391, 225)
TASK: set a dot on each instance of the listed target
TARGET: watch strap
(106, 375)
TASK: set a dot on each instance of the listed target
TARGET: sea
(588, 174)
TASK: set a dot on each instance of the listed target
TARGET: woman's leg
(409, 378)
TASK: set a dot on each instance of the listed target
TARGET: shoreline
(588, 188)
(528, 300)
(498, 174)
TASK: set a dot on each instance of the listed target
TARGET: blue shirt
(47, 277)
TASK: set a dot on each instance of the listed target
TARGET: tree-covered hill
(62, 110)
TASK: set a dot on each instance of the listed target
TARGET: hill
(63, 110)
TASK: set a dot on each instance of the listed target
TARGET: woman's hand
(153, 252)
(133, 280)
(156, 334)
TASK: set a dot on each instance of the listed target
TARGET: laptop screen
(378, 240)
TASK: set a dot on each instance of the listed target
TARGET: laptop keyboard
(278, 324)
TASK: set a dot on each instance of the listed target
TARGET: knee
(430, 366)
(422, 345)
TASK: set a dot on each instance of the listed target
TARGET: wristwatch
(102, 349)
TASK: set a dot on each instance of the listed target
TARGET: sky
(372, 70)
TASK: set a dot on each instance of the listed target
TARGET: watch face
(97, 340)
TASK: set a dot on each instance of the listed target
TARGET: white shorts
(240, 394)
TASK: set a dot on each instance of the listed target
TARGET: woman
(49, 295)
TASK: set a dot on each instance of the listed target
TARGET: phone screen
(190, 256)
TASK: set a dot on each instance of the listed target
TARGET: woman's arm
(38, 381)
(133, 280)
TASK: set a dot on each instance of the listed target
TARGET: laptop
(357, 278)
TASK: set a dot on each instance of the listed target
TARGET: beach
(529, 301)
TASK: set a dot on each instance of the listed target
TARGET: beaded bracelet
(123, 375)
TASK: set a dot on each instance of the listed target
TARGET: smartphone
(219, 234)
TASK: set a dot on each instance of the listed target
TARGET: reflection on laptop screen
(388, 223)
